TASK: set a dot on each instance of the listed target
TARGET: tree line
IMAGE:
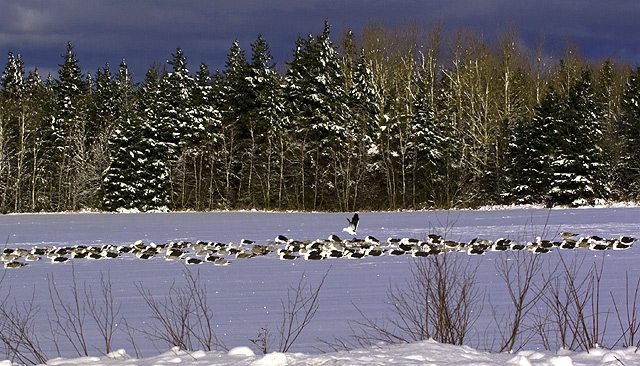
(397, 118)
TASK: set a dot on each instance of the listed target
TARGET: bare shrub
(573, 302)
(104, 311)
(439, 301)
(297, 312)
(263, 340)
(628, 317)
(519, 270)
(18, 334)
(68, 318)
(183, 317)
(131, 337)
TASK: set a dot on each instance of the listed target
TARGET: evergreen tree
(12, 133)
(366, 118)
(70, 89)
(236, 100)
(430, 151)
(120, 183)
(51, 139)
(156, 140)
(267, 128)
(578, 157)
(530, 152)
(12, 76)
(102, 110)
(204, 154)
(628, 133)
(319, 108)
(177, 131)
(39, 102)
(138, 175)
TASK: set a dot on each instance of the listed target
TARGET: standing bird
(567, 235)
(353, 225)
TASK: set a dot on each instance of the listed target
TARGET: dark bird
(353, 225)
(281, 239)
(191, 260)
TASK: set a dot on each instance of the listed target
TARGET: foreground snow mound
(423, 353)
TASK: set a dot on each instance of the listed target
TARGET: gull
(353, 225)
(567, 235)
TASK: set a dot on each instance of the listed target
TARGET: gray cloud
(147, 31)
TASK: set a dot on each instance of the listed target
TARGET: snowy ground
(247, 294)
(425, 353)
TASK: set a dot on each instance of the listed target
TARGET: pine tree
(578, 157)
(204, 154)
(138, 175)
(628, 132)
(156, 141)
(102, 109)
(122, 184)
(267, 128)
(38, 99)
(120, 180)
(366, 107)
(235, 100)
(178, 132)
(530, 152)
(51, 139)
(13, 75)
(430, 147)
(70, 89)
(12, 133)
(319, 109)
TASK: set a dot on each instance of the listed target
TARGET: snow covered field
(246, 295)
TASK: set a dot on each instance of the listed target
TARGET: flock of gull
(221, 254)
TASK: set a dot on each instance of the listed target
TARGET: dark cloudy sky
(147, 31)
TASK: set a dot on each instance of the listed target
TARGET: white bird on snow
(353, 225)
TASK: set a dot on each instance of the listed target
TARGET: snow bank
(423, 353)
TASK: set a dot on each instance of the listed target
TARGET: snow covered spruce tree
(102, 117)
(120, 180)
(51, 139)
(559, 154)
(578, 158)
(201, 148)
(102, 108)
(12, 133)
(179, 136)
(37, 106)
(268, 130)
(367, 116)
(234, 100)
(72, 175)
(150, 177)
(319, 111)
(628, 134)
(158, 141)
(530, 152)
